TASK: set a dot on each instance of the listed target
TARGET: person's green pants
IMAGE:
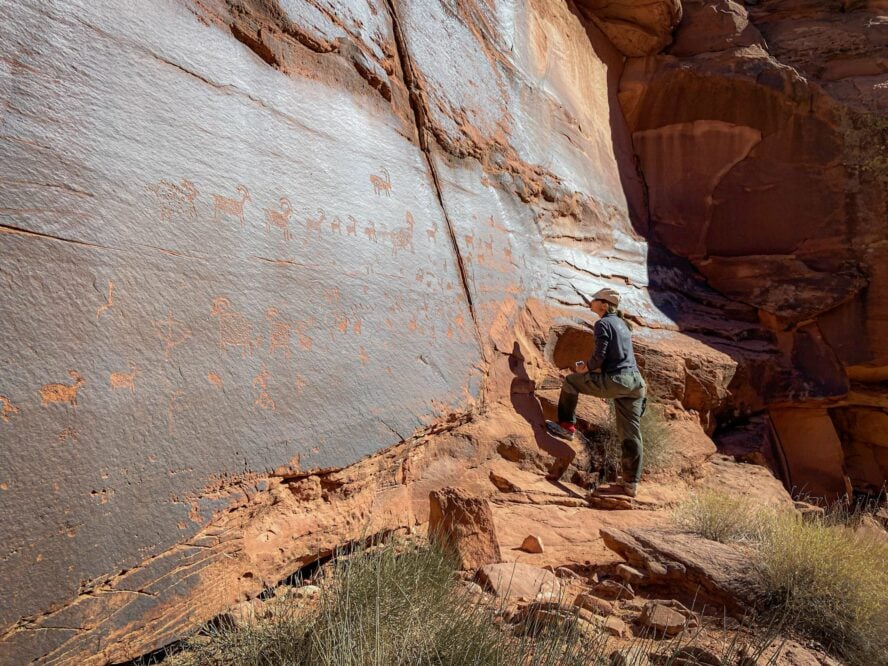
(627, 390)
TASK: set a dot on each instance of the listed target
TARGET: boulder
(721, 573)
(516, 581)
(594, 604)
(635, 27)
(662, 619)
(612, 589)
(708, 25)
(532, 544)
(464, 524)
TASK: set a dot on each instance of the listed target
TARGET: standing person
(610, 373)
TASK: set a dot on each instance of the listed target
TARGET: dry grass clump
(395, 604)
(824, 578)
(715, 516)
(832, 582)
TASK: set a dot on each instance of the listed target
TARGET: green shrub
(823, 577)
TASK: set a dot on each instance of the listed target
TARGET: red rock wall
(246, 243)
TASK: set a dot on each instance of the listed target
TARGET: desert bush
(395, 604)
(819, 575)
(831, 581)
(718, 517)
(657, 451)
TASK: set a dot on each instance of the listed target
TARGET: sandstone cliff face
(247, 243)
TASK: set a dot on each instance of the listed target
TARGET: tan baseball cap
(607, 295)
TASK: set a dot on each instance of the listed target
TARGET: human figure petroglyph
(235, 330)
(227, 206)
(175, 200)
(279, 219)
(402, 238)
(68, 433)
(279, 333)
(300, 384)
(305, 341)
(124, 380)
(336, 226)
(173, 333)
(351, 229)
(381, 185)
(370, 231)
(64, 393)
(8, 409)
(433, 232)
(108, 303)
(362, 354)
(263, 400)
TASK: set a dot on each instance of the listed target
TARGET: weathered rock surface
(464, 524)
(707, 570)
(264, 261)
(513, 580)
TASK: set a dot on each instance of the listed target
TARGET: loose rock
(532, 544)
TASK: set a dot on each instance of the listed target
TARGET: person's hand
(580, 366)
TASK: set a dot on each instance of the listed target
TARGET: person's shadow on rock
(524, 402)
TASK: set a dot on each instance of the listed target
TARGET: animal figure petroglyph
(123, 380)
(381, 185)
(279, 219)
(279, 333)
(314, 224)
(351, 229)
(370, 231)
(175, 200)
(107, 304)
(402, 238)
(226, 206)
(235, 330)
(8, 409)
(65, 393)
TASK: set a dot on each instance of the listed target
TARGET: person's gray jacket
(613, 347)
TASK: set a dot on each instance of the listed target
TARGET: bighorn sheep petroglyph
(227, 206)
(381, 185)
(279, 219)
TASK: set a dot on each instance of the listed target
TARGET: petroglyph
(370, 231)
(433, 232)
(381, 185)
(8, 409)
(279, 219)
(124, 380)
(215, 380)
(402, 238)
(108, 303)
(332, 295)
(351, 229)
(63, 393)
(305, 341)
(172, 332)
(362, 354)
(315, 223)
(279, 333)
(336, 226)
(235, 330)
(263, 400)
(227, 206)
(69, 433)
(176, 201)
(300, 384)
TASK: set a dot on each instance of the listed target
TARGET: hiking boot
(630, 489)
(565, 431)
